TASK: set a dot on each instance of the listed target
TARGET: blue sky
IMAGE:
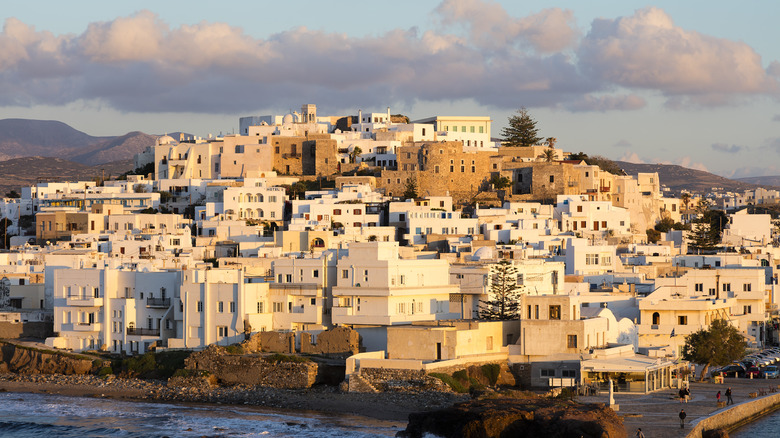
(693, 83)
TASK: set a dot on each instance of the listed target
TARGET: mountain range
(48, 150)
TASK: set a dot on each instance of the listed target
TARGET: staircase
(358, 383)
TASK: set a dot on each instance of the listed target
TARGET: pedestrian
(687, 394)
(718, 396)
(639, 433)
(682, 418)
(681, 393)
(729, 400)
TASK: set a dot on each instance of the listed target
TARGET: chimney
(360, 116)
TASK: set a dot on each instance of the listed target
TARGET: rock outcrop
(22, 360)
(504, 417)
(253, 369)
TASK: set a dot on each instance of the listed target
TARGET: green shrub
(491, 371)
(234, 349)
(461, 375)
(275, 358)
(104, 371)
(454, 384)
(183, 372)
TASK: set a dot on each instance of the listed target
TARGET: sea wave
(35, 415)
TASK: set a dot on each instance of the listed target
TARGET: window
(548, 372)
(260, 307)
(555, 312)
(337, 212)
(345, 273)
(571, 341)
(552, 178)
(745, 287)
(221, 306)
(726, 287)
(699, 287)
(200, 306)
(682, 320)
(579, 209)
(519, 279)
(591, 259)
(315, 273)
(278, 307)
(232, 306)
(222, 331)
(747, 309)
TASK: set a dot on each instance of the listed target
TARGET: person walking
(687, 394)
(718, 397)
(729, 400)
(682, 418)
(681, 394)
(639, 433)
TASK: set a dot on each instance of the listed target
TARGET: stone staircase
(358, 383)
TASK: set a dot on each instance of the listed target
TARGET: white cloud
(648, 51)
(631, 157)
(479, 53)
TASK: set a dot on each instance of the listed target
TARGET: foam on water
(33, 415)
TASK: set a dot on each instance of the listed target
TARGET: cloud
(631, 157)
(773, 144)
(748, 171)
(776, 118)
(607, 103)
(690, 164)
(478, 52)
(723, 147)
(490, 26)
(648, 51)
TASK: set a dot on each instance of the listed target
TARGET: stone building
(440, 169)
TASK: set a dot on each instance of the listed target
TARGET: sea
(36, 415)
(765, 427)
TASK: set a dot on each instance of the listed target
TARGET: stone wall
(270, 342)
(252, 369)
(736, 415)
(38, 330)
(392, 380)
(338, 342)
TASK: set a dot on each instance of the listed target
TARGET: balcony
(84, 301)
(605, 188)
(158, 303)
(86, 327)
(142, 332)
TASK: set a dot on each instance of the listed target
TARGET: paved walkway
(658, 413)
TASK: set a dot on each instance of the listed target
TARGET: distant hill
(47, 138)
(679, 178)
(762, 180)
(27, 171)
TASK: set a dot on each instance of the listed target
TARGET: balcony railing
(158, 302)
(142, 332)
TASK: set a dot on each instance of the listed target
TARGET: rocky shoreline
(392, 406)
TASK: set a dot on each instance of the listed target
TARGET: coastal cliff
(22, 360)
(527, 417)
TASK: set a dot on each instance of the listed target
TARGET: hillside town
(435, 241)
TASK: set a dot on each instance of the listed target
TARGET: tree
(720, 344)
(522, 130)
(4, 236)
(707, 229)
(550, 142)
(410, 190)
(504, 297)
(13, 194)
(548, 155)
(354, 154)
(500, 182)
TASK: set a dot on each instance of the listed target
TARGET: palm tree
(354, 154)
(551, 142)
(548, 155)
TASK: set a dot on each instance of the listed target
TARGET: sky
(695, 83)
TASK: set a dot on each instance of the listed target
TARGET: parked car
(733, 370)
(771, 372)
(754, 372)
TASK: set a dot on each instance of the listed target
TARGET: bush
(104, 371)
(454, 384)
(276, 358)
(491, 371)
(234, 349)
(461, 375)
(154, 365)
